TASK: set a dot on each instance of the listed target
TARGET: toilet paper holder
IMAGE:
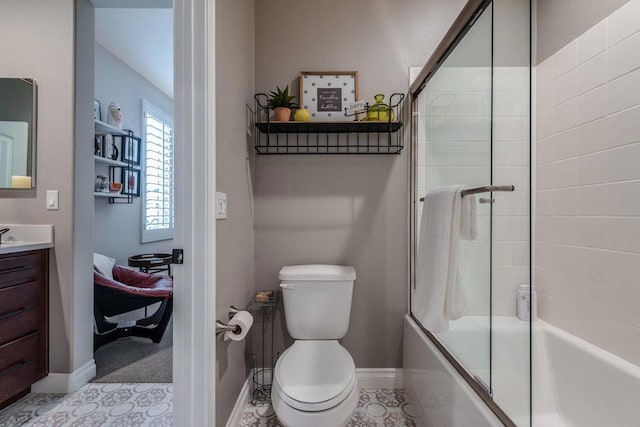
(221, 328)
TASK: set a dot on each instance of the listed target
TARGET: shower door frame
(463, 23)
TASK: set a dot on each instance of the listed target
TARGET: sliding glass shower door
(454, 148)
(472, 129)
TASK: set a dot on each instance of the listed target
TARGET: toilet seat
(338, 416)
(314, 376)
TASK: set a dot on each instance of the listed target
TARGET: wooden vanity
(24, 322)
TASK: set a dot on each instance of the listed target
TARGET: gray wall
(118, 226)
(344, 209)
(559, 22)
(37, 40)
(234, 252)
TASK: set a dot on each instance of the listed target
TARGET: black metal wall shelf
(328, 127)
(124, 136)
(339, 137)
(129, 139)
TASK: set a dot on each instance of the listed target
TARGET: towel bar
(484, 189)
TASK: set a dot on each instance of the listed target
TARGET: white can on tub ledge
(527, 303)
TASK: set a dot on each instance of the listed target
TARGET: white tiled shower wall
(587, 215)
(454, 135)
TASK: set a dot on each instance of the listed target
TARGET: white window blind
(158, 206)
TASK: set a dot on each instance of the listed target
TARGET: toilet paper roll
(244, 320)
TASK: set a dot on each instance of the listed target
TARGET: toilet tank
(317, 300)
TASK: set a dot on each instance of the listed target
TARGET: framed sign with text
(326, 93)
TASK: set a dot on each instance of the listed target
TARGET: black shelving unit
(339, 137)
(122, 136)
(128, 139)
(264, 362)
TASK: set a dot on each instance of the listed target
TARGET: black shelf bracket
(129, 139)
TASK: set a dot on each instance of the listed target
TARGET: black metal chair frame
(109, 302)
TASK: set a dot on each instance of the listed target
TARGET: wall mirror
(18, 129)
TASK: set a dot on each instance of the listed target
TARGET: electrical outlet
(221, 205)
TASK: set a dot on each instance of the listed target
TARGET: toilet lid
(315, 375)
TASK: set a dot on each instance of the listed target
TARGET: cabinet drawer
(20, 365)
(16, 269)
(20, 311)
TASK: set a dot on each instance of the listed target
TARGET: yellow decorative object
(19, 181)
(379, 111)
(302, 115)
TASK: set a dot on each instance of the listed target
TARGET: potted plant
(281, 103)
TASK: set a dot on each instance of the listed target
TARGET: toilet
(315, 382)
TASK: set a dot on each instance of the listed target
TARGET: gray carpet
(136, 360)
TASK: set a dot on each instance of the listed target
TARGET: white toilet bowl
(315, 385)
(315, 382)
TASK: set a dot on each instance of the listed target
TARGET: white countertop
(25, 237)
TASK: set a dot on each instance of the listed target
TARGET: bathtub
(574, 383)
(578, 384)
(439, 394)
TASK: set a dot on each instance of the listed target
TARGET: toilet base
(338, 416)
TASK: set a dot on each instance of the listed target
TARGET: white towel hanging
(468, 218)
(439, 295)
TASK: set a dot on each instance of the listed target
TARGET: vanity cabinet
(24, 322)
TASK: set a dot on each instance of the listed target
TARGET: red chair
(131, 290)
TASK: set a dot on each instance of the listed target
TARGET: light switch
(52, 200)
(221, 205)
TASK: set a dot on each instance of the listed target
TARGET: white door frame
(195, 157)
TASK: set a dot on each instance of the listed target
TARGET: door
(194, 313)
(454, 148)
(14, 140)
(473, 128)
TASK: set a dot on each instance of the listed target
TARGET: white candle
(19, 181)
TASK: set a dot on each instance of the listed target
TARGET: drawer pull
(15, 313)
(12, 368)
(13, 270)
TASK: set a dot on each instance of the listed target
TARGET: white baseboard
(380, 378)
(66, 383)
(367, 378)
(241, 402)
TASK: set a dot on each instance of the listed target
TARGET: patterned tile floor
(95, 405)
(149, 405)
(376, 407)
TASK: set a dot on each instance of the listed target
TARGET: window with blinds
(157, 198)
